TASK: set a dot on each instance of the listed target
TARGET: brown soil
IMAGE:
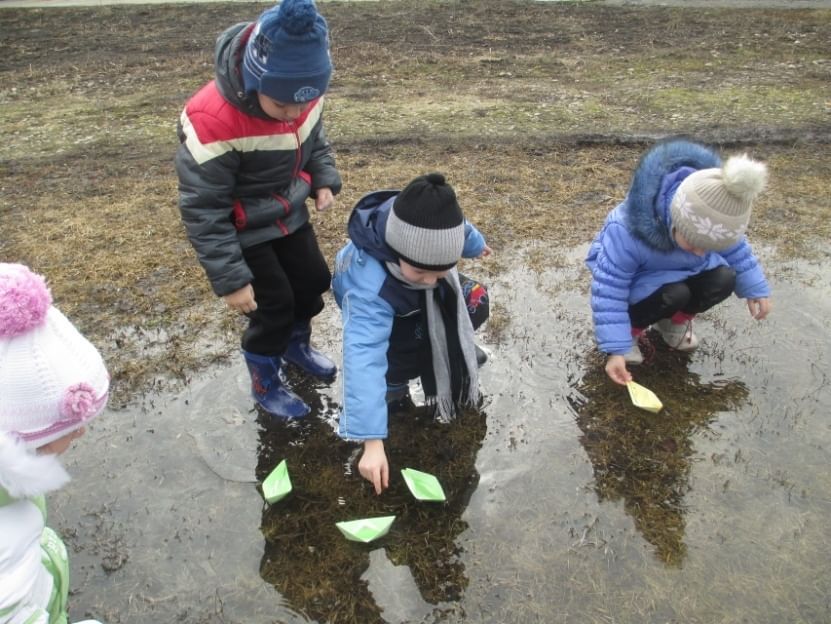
(537, 111)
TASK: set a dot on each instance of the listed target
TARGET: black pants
(695, 294)
(409, 332)
(290, 275)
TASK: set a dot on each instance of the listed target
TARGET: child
(675, 247)
(406, 311)
(52, 382)
(253, 148)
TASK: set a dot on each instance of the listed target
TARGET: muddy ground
(537, 111)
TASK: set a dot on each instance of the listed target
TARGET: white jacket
(26, 584)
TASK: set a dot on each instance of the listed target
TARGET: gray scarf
(444, 401)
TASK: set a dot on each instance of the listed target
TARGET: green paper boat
(277, 484)
(367, 529)
(424, 486)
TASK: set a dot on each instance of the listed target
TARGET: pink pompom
(78, 402)
(24, 300)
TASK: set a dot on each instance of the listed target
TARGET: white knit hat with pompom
(52, 379)
(711, 208)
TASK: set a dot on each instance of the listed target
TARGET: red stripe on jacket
(208, 107)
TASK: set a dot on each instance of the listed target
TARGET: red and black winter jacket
(244, 177)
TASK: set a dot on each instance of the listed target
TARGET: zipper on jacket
(298, 153)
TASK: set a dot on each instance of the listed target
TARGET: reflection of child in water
(330, 578)
(643, 461)
(673, 248)
(52, 382)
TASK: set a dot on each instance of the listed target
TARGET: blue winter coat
(634, 254)
(370, 299)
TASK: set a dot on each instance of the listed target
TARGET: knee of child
(725, 279)
(676, 295)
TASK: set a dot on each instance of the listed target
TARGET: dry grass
(536, 111)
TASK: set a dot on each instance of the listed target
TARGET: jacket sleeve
(750, 278)
(321, 164)
(367, 324)
(206, 184)
(613, 269)
(474, 242)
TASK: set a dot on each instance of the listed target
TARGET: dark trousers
(290, 275)
(695, 294)
(410, 332)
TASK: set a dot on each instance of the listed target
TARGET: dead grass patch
(536, 111)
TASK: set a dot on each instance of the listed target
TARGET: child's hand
(759, 308)
(373, 465)
(324, 199)
(616, 370)
(486, 252)
(242, 300)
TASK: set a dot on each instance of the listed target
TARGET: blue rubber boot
(300, 353)
(268, 388)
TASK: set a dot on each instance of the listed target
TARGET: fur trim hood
(657, 176)
(24, 473)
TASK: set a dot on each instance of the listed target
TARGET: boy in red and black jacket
(253, 149)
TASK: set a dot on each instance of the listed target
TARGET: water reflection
(316, 570)
(644, 459)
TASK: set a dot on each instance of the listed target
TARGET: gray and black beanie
(426, 227)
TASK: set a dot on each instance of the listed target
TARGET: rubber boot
(398, 398)
(634, 355)
(481, 356)
(269, 390)
(678, 336)
(300, 353)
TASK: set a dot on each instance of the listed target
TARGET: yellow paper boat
(644, 397)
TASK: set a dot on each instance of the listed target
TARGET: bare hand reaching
(617, 371)
(373, 465)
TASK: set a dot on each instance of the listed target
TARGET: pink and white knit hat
(52, 379)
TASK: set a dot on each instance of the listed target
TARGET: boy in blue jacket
(407, 313)
(253, 149)
(673, 248)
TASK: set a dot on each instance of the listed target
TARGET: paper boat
(644, 398)
(367, 529)
(277, 484)
(424, 486)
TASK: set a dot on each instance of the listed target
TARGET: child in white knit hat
(674, 248)
(52, 382)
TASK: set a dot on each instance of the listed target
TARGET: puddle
(565, 502)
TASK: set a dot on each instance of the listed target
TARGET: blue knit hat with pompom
(287, 55)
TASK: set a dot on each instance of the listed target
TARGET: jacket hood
(657, 176)
(24, 473)
(228, 55)
(368, 222)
